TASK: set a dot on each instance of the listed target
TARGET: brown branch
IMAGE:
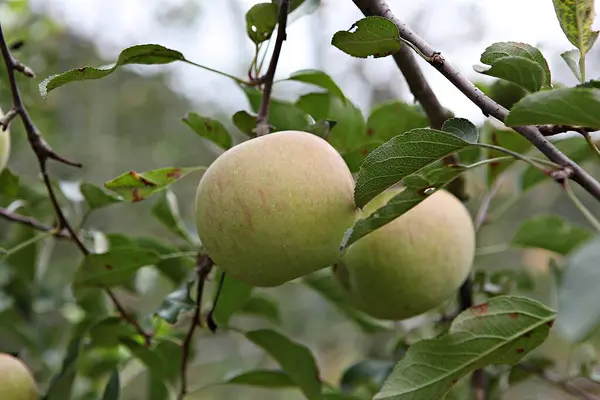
(203, 267)
(551, 130)
(32, 223)
(488, 106)
(262, 120)
(44, 152)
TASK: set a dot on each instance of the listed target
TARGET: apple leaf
(262, 307)
(261, 20)
(234, 293)
(409, 153)
(137, 186)
(576, 18)
(518, 70)
(578, 295)
(500, 50)
(245, 122)
(112, 389)
(551, 232)
(263, 378)
(295, 359)
(96, 197)
(61, 384)
(507, 139)
(392, 118)
(501, 331)
(569, 106)
(166, 210)
(283, 115)
(318, 78)
(139, 54)
(374, 36)
(572, 58)
(176, 302)
(210, 129)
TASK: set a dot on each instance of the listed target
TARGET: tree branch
(488, 106)
(32, 223)
(203, 267)
(262, 120)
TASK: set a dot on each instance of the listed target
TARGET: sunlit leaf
(576, 18)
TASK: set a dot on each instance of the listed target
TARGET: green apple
(4, 146)
(412, 264)
(275, 208)
(16, 381)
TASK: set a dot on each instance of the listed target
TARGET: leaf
(295, 359)
(569, 106)
(369, 372)
(61, 384)
(176, 303)
(507, 139)
(166, 210)
(245, 122)
(139, 54)
(263, 378)
(234, 293)
(374, 36)
(404, 155)
(318, 78)
(208, 128)
(518, 70)
(109, 331)
(328, 288)
(112, 391)
(500, 50)
(418, 188)
(392, 118)
(262, 307)
(146, 355)
(501, 331)
(9, 183)
(260, 21)
(551, 232)
(96, 197)
(283, 115)
(135, 186)
(576, 18)
(461, 128)
(578, 295)
(572, 58)
(113, 267)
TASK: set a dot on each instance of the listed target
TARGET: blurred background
(131, 120)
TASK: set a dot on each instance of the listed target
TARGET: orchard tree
(373, 214)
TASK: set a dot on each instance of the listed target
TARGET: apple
(16, 381)
(412, 264)
(4, 146)
(275, 208)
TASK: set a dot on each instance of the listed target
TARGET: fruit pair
(276, 208)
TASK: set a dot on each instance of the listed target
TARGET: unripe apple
(412, 264)
(16, 381)
(275, 208)
(4, 146)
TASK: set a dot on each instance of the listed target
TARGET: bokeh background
(131, 120)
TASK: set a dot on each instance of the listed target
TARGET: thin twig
(551, 130)
(262, 120)
(44, 152)
(203, 267)
(32, 223)
(210, 318)
(488, 106)
(482, 212)
(559, 382)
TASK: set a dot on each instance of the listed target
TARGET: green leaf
(176, 303)
(135, 186)
(245, 122)
(518, 70)
(501, 331)
(96, 197)
(505, 93)
(374, 36)
(263, 378)
(578, 295)
(318, 78)
(369, 372)
(208, 128)
(500, 50)
(328, 288)
(507, 139)
(295, 359)
(576, 18)
(572, 58)
(112, 391)
(109, 332)
(569, 106)
(262, 307)
(261, 20)
(234, 293)
(551, 232)
(61, 384)
(9, 184)
(146, 355)
(461, 128)
(171, 353)
(392, 118)
(139, 54)
(405, 155)
(283, 115)
(113, 267)
(418, 187)
(166, 210)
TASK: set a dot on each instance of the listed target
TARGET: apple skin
(4, 146)
(412, 264)
(16, 380)
(275, 208)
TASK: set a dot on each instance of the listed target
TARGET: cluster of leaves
(393, 144)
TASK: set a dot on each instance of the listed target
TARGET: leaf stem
(26, 243)
(235, 78)
(519, 156)
(584, 210)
